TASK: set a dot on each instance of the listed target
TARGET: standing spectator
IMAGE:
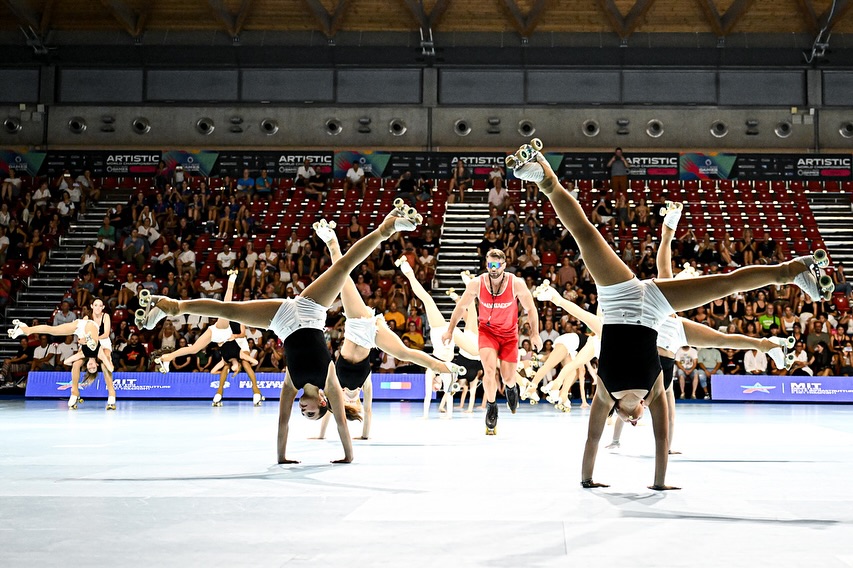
(686, 363)
(355, 178)
(406, 187)
(619, 167)
(18, 363)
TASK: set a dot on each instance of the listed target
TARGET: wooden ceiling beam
(24, 13)
(124, 15)
(624, 26)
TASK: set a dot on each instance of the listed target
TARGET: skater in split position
(363, 331)
(466, 340)
(221, 333)
(629, 367)
(497, 293)
(299, 323)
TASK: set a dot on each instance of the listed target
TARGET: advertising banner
(642, 165)
(479, 163)
(194, 163)
(24, 163)
(385, 164)
(203, 386)
(707, 166)
(137, 163)
(802, 167)
(782, 388)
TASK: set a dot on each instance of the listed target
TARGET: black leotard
(629, 357)
(307, 357)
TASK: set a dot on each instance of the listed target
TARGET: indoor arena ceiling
(137, 18)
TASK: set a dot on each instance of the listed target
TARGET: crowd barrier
(391, 386)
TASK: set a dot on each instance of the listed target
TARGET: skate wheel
(399, 203)
(332, 224)
(663, 211)
(821, 258)
(144, 298)
(536, 144)
(790, 342)
(523, 154)
(411, 212)
(111, 407)
(789, 359)
(826, 284)
(511, 162)
(461, 371)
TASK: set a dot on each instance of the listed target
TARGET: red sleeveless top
(498, 313)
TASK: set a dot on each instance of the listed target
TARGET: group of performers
(635, 333)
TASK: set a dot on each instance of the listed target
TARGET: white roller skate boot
(148, 315)
(671, 213)
(111, 403)
(404, 265)
(73, 401)
(162, 366)
(544, 292)
(523, 162)
(257, 399)
(326, 230)
(782, 357)
(217, 399)
(813, 281)
(466, 276)
(15, 331)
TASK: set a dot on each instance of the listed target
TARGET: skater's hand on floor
(360, 438)
(317, 438)
(284, 461)
(590, 484)
(345, 460)
(663, 488)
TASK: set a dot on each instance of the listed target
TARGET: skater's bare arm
(368, 407)
(462, 305)
(324, 423)
(285, 407)
(658, 408)
(335, 394)
(525, 298)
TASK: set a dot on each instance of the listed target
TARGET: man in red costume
(498, 294)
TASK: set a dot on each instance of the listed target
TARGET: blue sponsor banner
(782, 388)
(203, 385)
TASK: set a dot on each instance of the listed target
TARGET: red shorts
(505, 345)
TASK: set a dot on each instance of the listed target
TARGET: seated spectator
(44, 356)
(407, 187)
(396, 316)
(263, 185)
(108, 289)
(91, 192)
(245, 185)
(11, 188)
(186, 261)
(801, 361)
(355, 178)
(212, 288)
(496, 176)
(64, 315)
(18, 363)
(459, 183)
(128, 290)
(529, 263)
(414, 336)
(133, 357)
(133, 249)
(499, 196)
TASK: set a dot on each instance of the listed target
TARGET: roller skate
(217, 399)
(688, 272)
(512, 396)
(257, 399)
(612, 445)
(404, 265)
(782, 357)
(91, 342)
(466, 276)
(15, 331)
(813, 281)
(407, 217)
(671, 213)
(162, 366)
(111, 403)
(148, 315)
(523, 161)
(73, 401)
(326, 230)
(491, 418)
(232, 275)
(544, 292)
(564, 406)
(453, 295)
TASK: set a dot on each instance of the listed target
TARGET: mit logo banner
(781, 388)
